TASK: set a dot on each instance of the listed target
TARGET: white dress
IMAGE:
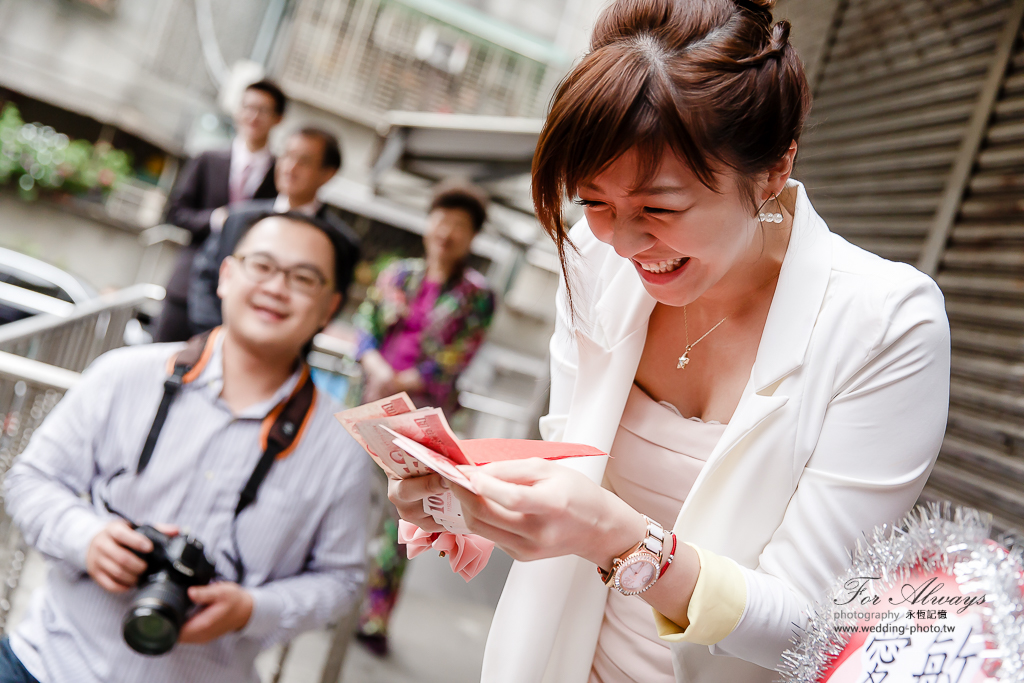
(656, 457)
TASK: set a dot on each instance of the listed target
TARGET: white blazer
(836, 432)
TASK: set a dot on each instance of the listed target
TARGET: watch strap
(608, 576)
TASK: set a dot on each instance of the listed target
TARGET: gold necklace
(684, 359)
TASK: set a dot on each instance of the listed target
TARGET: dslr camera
(161, 605)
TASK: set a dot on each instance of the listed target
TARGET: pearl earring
(770, 216)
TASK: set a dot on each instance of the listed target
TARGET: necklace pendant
(684, 360)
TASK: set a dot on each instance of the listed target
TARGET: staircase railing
(28, 391)
(73, 341)
(41, 358)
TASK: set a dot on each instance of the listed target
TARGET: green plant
(38, 157)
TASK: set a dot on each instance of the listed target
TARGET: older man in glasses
(289, 561)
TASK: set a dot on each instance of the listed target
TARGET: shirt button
(209, 475)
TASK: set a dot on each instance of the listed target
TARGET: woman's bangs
(601, 114)
(645, 118)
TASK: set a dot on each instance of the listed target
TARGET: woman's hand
(408, 495)
(534, 509)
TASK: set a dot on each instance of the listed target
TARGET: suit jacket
(201, 188)
(203, 302)
(836, 432)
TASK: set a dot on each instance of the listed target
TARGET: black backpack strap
(286, 426)
(183, 363)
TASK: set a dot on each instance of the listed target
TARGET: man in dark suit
(312, 156)
(213, 181)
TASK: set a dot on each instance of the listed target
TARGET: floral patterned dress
(436, 329)
(451, 335)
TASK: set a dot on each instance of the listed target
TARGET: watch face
(636, 574)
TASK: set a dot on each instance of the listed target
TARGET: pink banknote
(386, 407)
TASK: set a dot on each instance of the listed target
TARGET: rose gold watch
(637, 569)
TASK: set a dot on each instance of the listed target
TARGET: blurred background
(915, 151)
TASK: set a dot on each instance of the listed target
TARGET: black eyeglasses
(300, 279)
(265, 112)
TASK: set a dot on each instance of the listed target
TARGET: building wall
(140, 69)
(105, 256)
(811, 20)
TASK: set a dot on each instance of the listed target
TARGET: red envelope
(484, 451)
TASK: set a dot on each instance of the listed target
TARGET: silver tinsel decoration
(934, 538)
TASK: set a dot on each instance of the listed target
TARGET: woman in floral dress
(419, 327)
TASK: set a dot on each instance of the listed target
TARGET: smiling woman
(767, 392)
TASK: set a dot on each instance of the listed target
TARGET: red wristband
(671, 556)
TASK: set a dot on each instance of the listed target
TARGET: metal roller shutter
(982, 276)
(890, 112)
(916, 152)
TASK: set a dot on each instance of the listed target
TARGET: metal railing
(41, 358)
(28, 391)
(336, 371)
(73, 341)
(504, 393)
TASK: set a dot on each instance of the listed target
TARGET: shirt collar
(281, 205)
(241, 154)
(211, 381)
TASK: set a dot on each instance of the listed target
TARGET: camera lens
(152, 623)
(149, 632)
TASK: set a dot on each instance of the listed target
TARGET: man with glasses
(311, 158)
(290, 561)
(212, 182)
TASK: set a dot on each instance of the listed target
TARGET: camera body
(161, 606)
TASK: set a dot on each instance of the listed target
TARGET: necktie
(238, 191)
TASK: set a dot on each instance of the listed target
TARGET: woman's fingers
(414, 489)
(522, 498)
(479, 510)
(519, 471)
(408, 494)
(428, 524)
